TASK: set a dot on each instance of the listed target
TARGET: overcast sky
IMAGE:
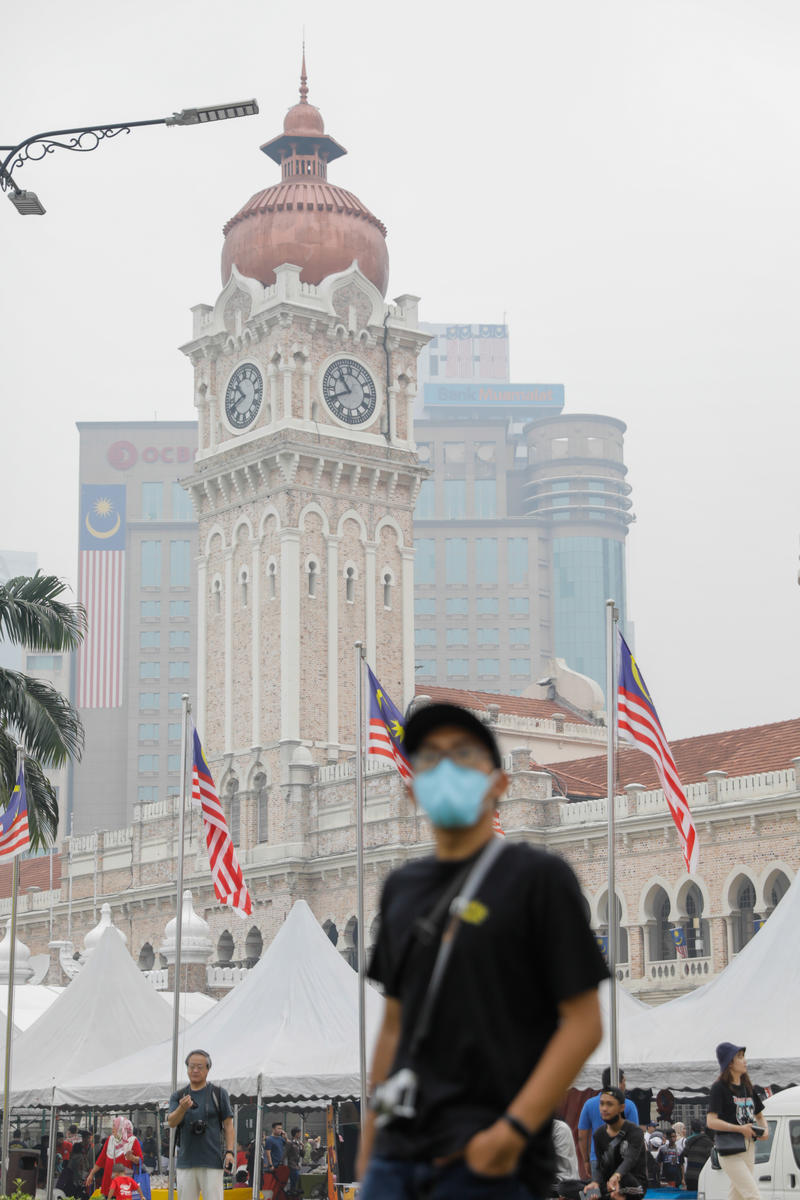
(618, 180)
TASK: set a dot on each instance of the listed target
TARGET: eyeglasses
(468, 754)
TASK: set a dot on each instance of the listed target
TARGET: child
(123, 1185)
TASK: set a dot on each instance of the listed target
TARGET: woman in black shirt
(732, 1109)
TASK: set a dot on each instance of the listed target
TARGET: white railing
(586, 811)
(225, 977)
(767, 783)
(161, 808)
(84, 844)
(680, 969)
(31, 901)
(159, 977)
(347, 769)
(118, 837)
(592, 733)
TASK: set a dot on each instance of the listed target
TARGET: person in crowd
(733, 1108)
(294, 1154)
(202, 1117)
(307, 1148)
(620, 1164)
(123, 1185)
(464, 1112)
(150, 1148)
(119, 1145)
(70, 1179)
(590, 1120)
(275, 1153)
(680, 1135)
(653, 1140)
(669, 1160)
(696, 1153)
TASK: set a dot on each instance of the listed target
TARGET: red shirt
(108, 1166)
(123, 1187)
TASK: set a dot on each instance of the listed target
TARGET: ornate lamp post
(87, 138)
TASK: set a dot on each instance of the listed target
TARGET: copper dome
(305, 220)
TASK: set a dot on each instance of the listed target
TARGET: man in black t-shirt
(516, 1015)
(620, 1166)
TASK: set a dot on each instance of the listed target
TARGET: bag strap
(457, 901)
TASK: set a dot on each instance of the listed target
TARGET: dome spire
(303, 78)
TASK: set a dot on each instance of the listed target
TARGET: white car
(777, 1157)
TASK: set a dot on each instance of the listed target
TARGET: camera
(396, 1097)
(199, 1126)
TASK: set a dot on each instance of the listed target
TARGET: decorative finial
(303, 78)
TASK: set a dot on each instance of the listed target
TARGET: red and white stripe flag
(14, 833)
(229, 884)
(101, 590)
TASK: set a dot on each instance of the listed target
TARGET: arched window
(662, 943)
(147, 957)
(253, 945)
(272, 573)
(777, 887)
(225, 948)
(622, 934)
(217, 591)
(387, 589)
(349, 948)
(349, 584)
(243, 585)
(262, 807)
(234, 811)
(695, 928)
(313, 571)
(743, 916)
(330, 929)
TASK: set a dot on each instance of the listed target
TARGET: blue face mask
(452, 796)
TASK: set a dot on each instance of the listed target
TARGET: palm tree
(32, 711)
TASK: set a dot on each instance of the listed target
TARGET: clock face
(349, 391)
(243, 396)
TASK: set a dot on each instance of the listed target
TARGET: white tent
(30, 1001)
(192, 1005)
(752, 1002)
(107, 1010)
(293, 1021)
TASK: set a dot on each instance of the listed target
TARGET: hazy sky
(618, 180)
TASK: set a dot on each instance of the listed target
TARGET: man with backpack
(202, 1117)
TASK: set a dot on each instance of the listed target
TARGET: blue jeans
(399, 1179)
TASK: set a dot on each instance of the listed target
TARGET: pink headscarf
(120, 1144)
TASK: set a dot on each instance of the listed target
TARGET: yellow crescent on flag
(639, 679)
(97, 533)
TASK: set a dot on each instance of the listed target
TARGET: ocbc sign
(124, 455)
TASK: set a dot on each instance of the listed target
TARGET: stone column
(255, 649)
(228, 666)
(333, 647)
(202, 611)
(719, 943)
(636, 951)
(407, 584)
(290, 635)
(370, 550)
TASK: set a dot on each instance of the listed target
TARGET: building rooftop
(517, 706)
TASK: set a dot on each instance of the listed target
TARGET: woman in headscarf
(120, 1146)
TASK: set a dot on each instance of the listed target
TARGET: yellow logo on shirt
(474, 913)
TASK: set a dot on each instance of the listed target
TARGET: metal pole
(10, 1006)
(176, 1015)
(51, 1153)
(257, 1158)
(52, 851)
(94, 894)
(158, 1140)
(360, 800)
(611, 783)
(69, 873)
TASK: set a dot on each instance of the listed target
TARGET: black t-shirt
(624, 1154)
(733, 1103)
(522, 947)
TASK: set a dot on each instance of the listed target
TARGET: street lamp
(89, 137)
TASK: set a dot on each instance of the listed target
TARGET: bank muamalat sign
(124, 455)
(498, 395)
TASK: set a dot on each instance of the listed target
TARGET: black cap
(436, 716)
(616, 1092)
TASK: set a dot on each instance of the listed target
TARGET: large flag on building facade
(101, 586)
(14, 833)
(229, 884)
(638, 724)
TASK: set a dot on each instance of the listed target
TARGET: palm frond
(42, 801)
(32, 615)
(43, 720)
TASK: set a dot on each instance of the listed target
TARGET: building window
(173, 763)
(152, 501)
(179, 564)
(425, 560)
(150, 610)
(424, 451)
(519, 604)
(486, 560)
(425, 666)
(488, 666)
(148, 733)
(387, 589)
(43, 662)
(485, 498)
(149, 670)
(151, 564)
(424, 607)
(559, 448)
(425, 637)
(174, 731)
(488, 637)
(148, 763)
(175, 700)
(147, 793)
(487, 606)
(454, 452)
(182, 507)
(455, 560)
(425, 509)
(457, 666)
(272, 576)
(149, 700)
(457, 606)
(262, 809)
(455, 499)
(179, 639)
(520, 666)
(216, 591)
(178, 609)
(179, 670)
(485, 451)
(150, 639)
(744, 917)
(457, 637)
(519, 637)
(243, 586)
(517, 560)
(349, 584)
(234, 817)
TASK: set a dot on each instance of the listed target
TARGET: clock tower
(304, 486)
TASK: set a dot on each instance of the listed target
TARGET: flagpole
(611, 782)
(362, 978)
(10, 1004)
(176, 1013)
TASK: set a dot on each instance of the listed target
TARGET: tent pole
(51, 1153)
(611, 784)
(360, 801)
(257, 1153)
(176, 1013)
(158, 1140)
(6, 1136)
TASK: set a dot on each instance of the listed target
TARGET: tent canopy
(108, 1009)
(293, 1021)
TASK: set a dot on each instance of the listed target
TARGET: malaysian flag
(638, 724)
(101, 585)
(679, 938)
(229, 883)
(386, 728)
(14, 835)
